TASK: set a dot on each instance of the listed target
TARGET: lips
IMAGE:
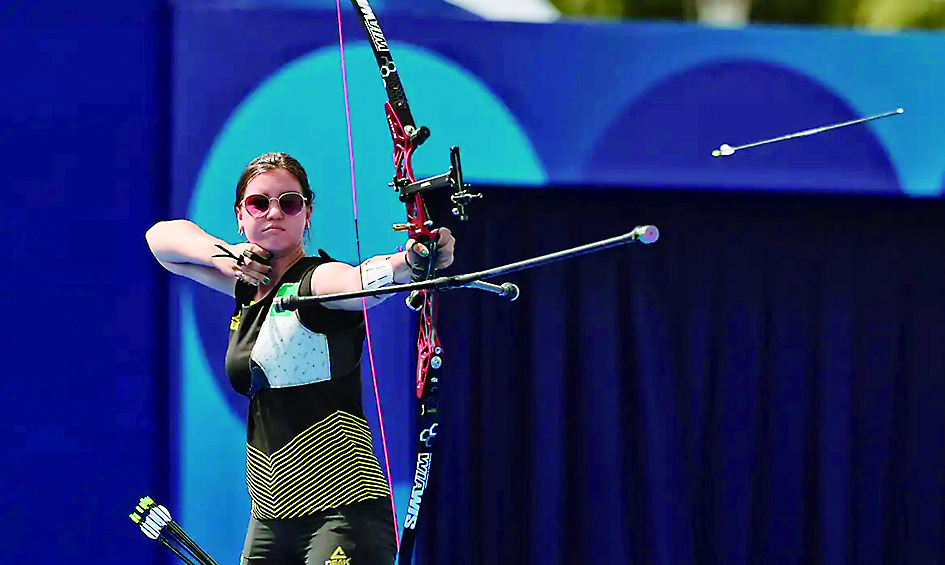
(270, 228)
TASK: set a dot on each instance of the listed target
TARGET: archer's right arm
(183, 248)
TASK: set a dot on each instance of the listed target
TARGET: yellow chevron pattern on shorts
(330, 464)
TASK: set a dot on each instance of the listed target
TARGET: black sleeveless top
(308, 445)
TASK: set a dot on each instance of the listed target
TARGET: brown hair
(268, 162)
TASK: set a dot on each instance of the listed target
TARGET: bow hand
(426, 251)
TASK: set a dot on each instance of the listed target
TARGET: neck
(281, 263)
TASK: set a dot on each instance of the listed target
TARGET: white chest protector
(288, 353)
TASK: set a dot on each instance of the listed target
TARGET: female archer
(318, 493)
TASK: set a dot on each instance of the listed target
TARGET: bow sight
(453, 179)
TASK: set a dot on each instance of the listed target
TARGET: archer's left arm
(381, 270)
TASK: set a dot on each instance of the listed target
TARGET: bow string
(406, 137)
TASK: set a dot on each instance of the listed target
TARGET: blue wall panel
(85, 399)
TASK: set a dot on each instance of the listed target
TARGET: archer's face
(271, 224)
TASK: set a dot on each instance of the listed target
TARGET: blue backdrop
(586, 104)
(122, 115)
(83, 134)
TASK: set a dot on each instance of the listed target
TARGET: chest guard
(286, 353)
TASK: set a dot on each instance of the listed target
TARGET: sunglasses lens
(291, 204)
(256, 205)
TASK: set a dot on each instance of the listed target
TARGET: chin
(277, 241)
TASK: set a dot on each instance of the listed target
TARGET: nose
(275, 210)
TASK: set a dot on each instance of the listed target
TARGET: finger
(255, 278)
(256, 271)
(445, 238)
(256, 253)
(249, 273)
(248, 279)
(447, 245)
(255, 268)
(419, 249)
(263, 253)
(261, 268)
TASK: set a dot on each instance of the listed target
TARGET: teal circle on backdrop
(300, 110)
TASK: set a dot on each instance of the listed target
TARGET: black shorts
(357, 534)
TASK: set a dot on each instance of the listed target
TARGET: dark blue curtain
(762, 385)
